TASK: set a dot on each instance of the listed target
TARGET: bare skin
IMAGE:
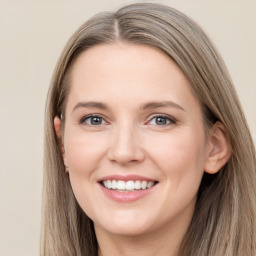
(130, 111)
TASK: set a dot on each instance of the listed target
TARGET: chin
(127, 230)
(126, 226)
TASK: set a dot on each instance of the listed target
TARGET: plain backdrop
(32, 35)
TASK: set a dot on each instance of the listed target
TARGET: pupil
(96, 120)
(161, 120)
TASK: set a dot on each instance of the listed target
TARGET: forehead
(127, 72)
(130, 58)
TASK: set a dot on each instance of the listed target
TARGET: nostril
(125, 155)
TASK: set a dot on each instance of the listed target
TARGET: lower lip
(126, 196)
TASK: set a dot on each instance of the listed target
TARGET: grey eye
(161, 120)
(94, 120)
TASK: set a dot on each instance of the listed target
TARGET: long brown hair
(224, 221)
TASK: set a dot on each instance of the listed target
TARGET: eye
(161, 120)
(93, 120)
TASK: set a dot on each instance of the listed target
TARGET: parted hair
(224, 220)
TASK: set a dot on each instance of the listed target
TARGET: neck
(158, 242)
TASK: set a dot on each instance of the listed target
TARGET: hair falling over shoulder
(224, 220)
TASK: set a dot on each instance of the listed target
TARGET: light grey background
(32, 35)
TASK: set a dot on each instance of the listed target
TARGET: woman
(147, 151)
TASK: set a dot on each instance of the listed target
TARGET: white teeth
(109, 184)
(114, 184)
(150, 184)
(137, 184)
(120, 185)
(144, 184)
(128, 185)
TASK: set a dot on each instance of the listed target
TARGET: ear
(57, 127)
(219, 149)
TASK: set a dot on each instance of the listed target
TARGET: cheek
(83, 152)
(180, 155)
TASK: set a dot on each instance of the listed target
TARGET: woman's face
(134, 140)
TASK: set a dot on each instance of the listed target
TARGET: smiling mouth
(127, 186)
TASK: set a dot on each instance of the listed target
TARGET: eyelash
(168, 119)
(85, 118)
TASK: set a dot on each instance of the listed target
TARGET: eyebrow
(149, 105)
(90, 104)
(161, 104)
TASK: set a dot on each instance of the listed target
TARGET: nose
(125, 146)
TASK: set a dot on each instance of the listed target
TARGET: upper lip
(125, 178)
